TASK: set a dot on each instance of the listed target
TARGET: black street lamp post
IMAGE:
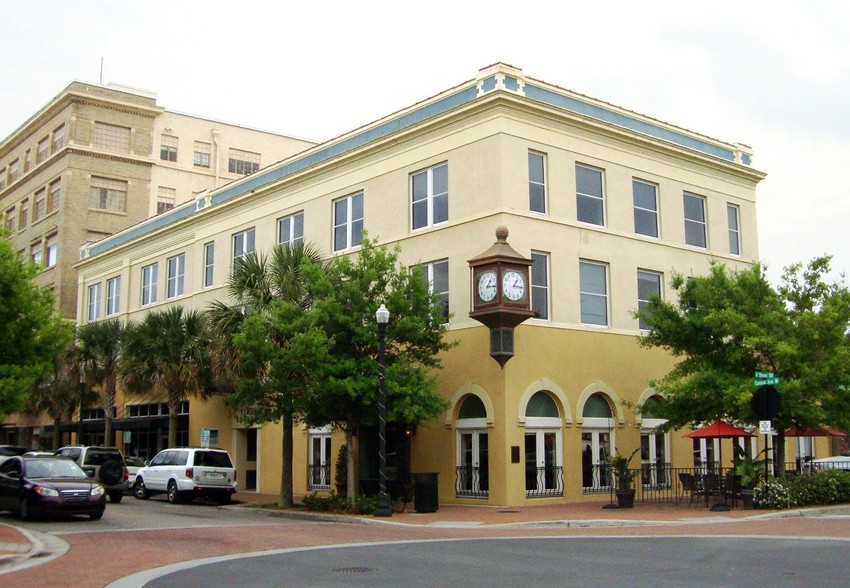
(382, 316)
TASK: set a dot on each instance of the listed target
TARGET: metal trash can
(425, 494)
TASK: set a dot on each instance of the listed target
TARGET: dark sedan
(49, 485)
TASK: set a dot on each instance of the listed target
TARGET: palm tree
(57, 392)
(169, 350)
(257, 281)
(97, 352)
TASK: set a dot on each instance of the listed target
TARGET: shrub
(331, 502)
(367, 504)
(772, 494)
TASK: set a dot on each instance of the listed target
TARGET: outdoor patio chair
(688, 485)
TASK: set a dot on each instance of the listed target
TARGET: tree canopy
(31, 333)
(728, 324)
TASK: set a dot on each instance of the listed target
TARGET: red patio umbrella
(719, 430)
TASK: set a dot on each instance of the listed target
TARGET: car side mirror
(15, 475)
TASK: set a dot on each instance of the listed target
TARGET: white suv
(186, 472)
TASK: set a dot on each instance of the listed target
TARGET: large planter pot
(747, 499)
(625, 498)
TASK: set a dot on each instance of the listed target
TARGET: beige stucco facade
(483, 131)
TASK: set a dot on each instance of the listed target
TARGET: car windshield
(53, 468)
(215, 459)
(98, 457)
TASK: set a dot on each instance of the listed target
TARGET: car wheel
(173, 494)
(139, 490)
(111, 472)
(96, 516)
(115, 496)
(24, 510)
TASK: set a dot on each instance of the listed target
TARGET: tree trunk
(108, 402)
(57, 435)
(779, 455)
(285, 499)
(351, 490)
(173, 409)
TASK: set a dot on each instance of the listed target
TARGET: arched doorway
(473, 466)
(543, 447)
(597, 438)
(654, 446)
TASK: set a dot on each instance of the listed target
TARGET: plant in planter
(751, 473)
(624, 477)
(341, 471)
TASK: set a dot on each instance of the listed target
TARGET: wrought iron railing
(545, 481)
(596, 478)
(472, 482)
(319, 477)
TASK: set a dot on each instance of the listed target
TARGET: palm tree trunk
(57, 440)
(173, 408)
(109, 401)
(286, 498)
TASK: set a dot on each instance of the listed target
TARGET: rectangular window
(695, 225)
(111, 138)
(733, 213)
(58, 139)
(149, 278)
(168, 148)
(27, 161)
(52, 250)
(645, 198)
(540, 285)
(436, 276)
(113, 296)
(14, 171)
(649, 285)
(2, 178)
(165, 199)
(201, 157)
(590, 201)
(243, 244)
(10, 219)
(290, 229)
(348, 221)
(537, 182)
(54, 195)
(37, 254)
(209, 263)
(94, 302)
(176, 270)
(40, 205)
(320, 461)
(23, 215)
(108, 194)
(429, 193)
(243, 162)
(593, 286)
(42, 151)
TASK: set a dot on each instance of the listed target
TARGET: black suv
(102, 464)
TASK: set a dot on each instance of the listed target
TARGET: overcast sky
(773, 75)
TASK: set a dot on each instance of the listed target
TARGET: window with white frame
(540, 285)
(209, 263)
(537, 182)
(648, 285)
(111, 138)
(41, 151)
(108, 194)
(201, 158)
(54, 195)
(733, 213)
(168, 148)
(436, 276)
(654, 447)
(242, 162)
(113, 296)
(590, 199)
(473, 452)
(175, 269)
(52, 250)
(94, 302)
(597, 439)
(320, 459)
(348, 221)
(695, 224)
(149, 283)
(593, 286)
(165, 199)
(544, 458)
(645, 199)
(243, 244)
(290, 229)
(429, 194)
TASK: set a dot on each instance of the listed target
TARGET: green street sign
(763, 375)
(772, 381)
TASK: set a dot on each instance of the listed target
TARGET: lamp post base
(383, 509)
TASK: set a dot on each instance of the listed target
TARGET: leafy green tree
(57, 392)
(168, 349)
(98, 352)
(346, 295)
(31, 333)
(263, 342)
(728, 324)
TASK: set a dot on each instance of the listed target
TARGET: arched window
(543, 447)
(654, 446)
(596, 441)
(473, 476)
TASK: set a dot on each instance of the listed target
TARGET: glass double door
(473, 463)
